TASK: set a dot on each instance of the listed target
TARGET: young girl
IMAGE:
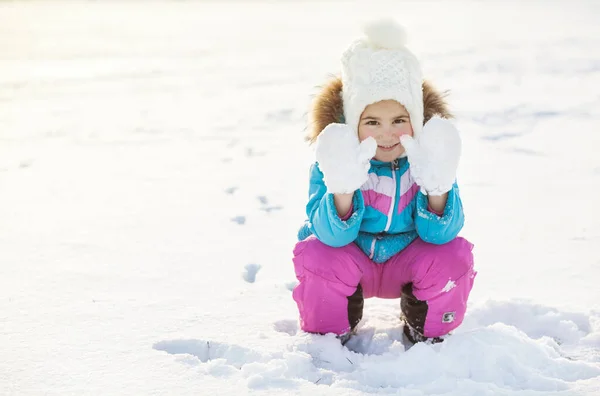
(384, 210)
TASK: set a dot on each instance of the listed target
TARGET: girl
(384, 210)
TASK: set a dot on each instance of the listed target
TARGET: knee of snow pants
(436, 301)
(328, 280)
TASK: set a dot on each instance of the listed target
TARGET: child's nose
(395, 132)
(390, 130)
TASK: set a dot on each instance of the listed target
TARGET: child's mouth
(388, 148)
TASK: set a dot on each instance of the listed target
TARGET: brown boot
(414, 336)
(356, 303)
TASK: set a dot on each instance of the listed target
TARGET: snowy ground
(153, 176)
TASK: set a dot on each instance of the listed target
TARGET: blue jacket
(388, 213)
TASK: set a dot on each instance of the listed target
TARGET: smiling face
(385, 121)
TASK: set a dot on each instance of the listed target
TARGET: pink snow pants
(442, 276)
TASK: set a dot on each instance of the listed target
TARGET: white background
(153, 175)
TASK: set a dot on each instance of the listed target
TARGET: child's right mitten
(344, 161)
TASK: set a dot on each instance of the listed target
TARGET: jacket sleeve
(324, 221)
(436, 229)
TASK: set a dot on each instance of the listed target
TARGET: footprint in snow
(290, 285)
(286, 326)
(261, 370)
(251, 153)
(206, 351)
(263, 200)
(269, 209)
(265, 204)
(25, 164)
(250, 271)
(241, 220)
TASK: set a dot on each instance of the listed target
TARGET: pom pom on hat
(385, 34)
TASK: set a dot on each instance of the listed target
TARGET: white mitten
(434, 156)
(344, 161)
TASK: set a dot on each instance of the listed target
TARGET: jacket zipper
(394, 166)
(393, 203)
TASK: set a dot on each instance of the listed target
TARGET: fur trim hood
(328, 106)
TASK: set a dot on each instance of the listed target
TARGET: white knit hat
(380, 67)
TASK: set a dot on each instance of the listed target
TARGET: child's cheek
(406, 129)
(365, 132)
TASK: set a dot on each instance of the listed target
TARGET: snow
(153, 175)
(449, 286)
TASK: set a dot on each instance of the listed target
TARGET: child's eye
(371, 122)
(399, 120)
